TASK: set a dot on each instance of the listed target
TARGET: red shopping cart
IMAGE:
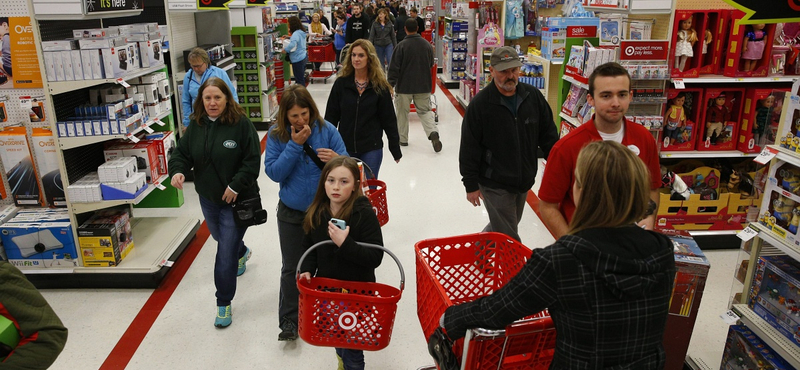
(347, 314)
(463, 268)
(322, 53)
(434, 103)
(377, 196)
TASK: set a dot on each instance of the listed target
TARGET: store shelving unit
(248, 50)
(455, 49)
(74, 142)
(157, 240)
(710, 154)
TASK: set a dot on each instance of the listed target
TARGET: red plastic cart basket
(377, 196)
(463, 268)
(347, 314)
(322, 53)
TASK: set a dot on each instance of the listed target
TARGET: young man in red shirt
(609, 94)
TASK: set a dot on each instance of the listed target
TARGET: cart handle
(368, 245)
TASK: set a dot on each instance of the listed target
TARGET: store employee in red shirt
(609, 94)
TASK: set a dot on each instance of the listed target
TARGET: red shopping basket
(463, 268)
(377, 196)
(347, 314)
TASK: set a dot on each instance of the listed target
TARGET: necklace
(361, 85)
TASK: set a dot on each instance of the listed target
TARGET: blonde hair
(374, 68)
(322, 204)
(614, 187)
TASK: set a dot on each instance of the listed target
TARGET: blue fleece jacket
(297, 43)
(190, 87)
(298, 175)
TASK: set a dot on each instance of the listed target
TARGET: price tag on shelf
(730, 317)
(766, 155)
(133, 138)
(149, 130)
(26, 103)
(122, 82)
(166, 263)
(160, 186)
(747, 234)
(158, 121)
(679, 84)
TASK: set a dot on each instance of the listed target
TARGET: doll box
(734, 64)
(787, 135)
(712, 41)
(725, 137)
(774, 295)
(692, 64)
(745, 350)
(762, 108)
(683, 138)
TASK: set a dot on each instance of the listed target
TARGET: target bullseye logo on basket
(348, 320)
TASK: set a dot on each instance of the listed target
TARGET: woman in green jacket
(222, 148)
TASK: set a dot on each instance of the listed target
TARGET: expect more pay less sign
(635, 50)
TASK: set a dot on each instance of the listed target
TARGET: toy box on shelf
(745, 350)
(40, 245)
(722, 112)
(558, 29)
(789, 125)
(688, 37)
(749, 48)
(705, 208)
(780, 209)
(760, 118)
(681, 119)
(712, 41)
(774, 295)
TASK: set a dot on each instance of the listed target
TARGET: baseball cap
(504, 58)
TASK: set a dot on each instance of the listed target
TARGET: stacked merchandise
(116, 179)
(20, 168)
(106, 238)
(6, 213)
(151, 154)
(39, 238)
(745, 350)
(101, 53)
(774, 295)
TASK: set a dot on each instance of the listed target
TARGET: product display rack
(156, 240)
(248, 53)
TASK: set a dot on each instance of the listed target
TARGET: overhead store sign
(212, 4)
(643, 50)
(771, 11)
(103, 6)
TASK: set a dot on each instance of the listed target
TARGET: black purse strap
(313, 155)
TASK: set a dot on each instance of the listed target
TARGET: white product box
(105, 127)
(130, 91)
(117, 170)
(62, 129)
(85, 190)
(133, 56)
(102, 43)
(115, 151)
(152, 110)
(97, 127)
(150, 92)
(59, 45)
(127, 29)
(164, 91)
(138, 37)
(71, 132)
(130, 123)
(115, 90)
(118, 61)
(166, 106)
(66, 60)
(152, 78)
(97, 64)
(112, 31)
(86, 63)
(77, 65)
(79, 129)
(113, 110)
(150, 52)
(131, 185)
(49, 66)
(88, 129)
(146, 155)
(58, 65)
(113, 98)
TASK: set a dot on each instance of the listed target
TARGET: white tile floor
(426, 200)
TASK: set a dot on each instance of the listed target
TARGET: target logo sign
(643, 50)
(629, 51)
(348, 321)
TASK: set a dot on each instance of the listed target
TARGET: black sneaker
(287, 335)
(437, 145)
(403, 144)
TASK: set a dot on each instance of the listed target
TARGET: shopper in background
(610, 95)
(323, 18)
(201, 71)
(338, 37)
(420, 21)
(358, 25)
(505, 125)
(317, 31)
(339, 196)
(413, 60)
(296, 142)
(400, 24)
(606, 283)
(296, 48)
(42, 336)
(360, 105)
(221, 147)
(383, 37)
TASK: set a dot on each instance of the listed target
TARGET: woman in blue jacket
(299, 130)
(201, 71)
(297, 49)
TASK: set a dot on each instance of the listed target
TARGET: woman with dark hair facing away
(399, 24)
(383, 37)
(606, 284)
(360, 105)
(299, 139)
(339, 196)
(221, 147)
(201, 71)
(295, 46)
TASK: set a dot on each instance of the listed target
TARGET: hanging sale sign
(772, 11)
(19, 62)
(643, 50)
(103, 6)
(213, 4)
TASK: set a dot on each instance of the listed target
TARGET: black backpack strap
(313, 155)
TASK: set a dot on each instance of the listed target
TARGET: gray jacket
(413, 59)
(382, 36)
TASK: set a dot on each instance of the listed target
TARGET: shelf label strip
(122, 82)
(730, 317)
(766, 155)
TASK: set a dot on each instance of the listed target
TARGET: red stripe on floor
(450, 97)
(263, 143)
(126, 347)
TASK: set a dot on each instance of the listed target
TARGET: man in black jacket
(358, 25)
(420, 22)
(504, 126)
(413, 59)
(400, 23)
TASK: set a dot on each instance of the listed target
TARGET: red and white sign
(643, 50)
(581, 31)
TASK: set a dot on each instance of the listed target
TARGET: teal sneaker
(243, 262)
(223, 319)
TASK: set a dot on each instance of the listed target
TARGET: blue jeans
(372, 159)
(385, 53)
(353, 359)
(299, 71)
(230, 247)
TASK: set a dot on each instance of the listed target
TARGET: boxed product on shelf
(127, 29)
(112, 31)
(612, 29)
(20, 168)
(118, 169)
(106, 238)
(722, 114)
(131, 186)
(150, 53)
(745, 350)
(748, 48)
(66, 64)
(712, 45)
(164, 143)
(682, 119)
(706, 208)
(39, 245)
(85, 190)
(144, 154)
(774, 295)
(760, 118)
(45, 151)
(688, 34)
(788, 135)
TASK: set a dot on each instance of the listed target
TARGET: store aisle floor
(425, 199)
